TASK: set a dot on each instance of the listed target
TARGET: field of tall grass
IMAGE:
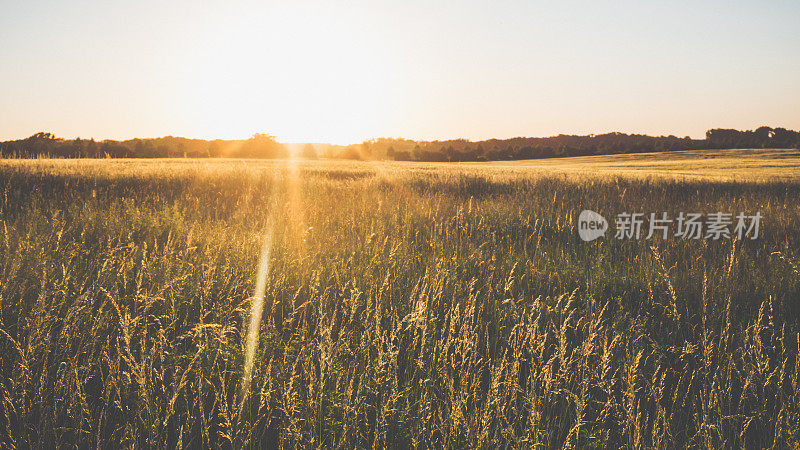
(405, 305)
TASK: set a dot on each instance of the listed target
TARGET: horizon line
(319, 142)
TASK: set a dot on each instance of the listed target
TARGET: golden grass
(426, 305)
(716, 165)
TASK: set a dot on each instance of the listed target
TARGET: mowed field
(405, 304)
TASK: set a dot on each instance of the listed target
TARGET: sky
(347, 71)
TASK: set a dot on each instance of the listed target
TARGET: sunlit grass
(751, 165)
(404, 304)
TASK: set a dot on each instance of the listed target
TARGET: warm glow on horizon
(303, 78)
(313, 71)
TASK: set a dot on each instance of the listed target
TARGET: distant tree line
(266, 146)
(47, 145)
(565, 145)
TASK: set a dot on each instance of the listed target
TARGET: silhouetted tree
(266, 146)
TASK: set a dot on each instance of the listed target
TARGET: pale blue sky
(348, 71)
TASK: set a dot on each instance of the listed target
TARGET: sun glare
(303, 79)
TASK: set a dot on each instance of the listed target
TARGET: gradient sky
(347, 71)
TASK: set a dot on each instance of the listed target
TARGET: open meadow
(405, 304)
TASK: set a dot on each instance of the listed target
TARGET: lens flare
(256, 309)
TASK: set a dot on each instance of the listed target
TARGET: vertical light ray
(288, 175)
(256, 310)
(296, 212)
